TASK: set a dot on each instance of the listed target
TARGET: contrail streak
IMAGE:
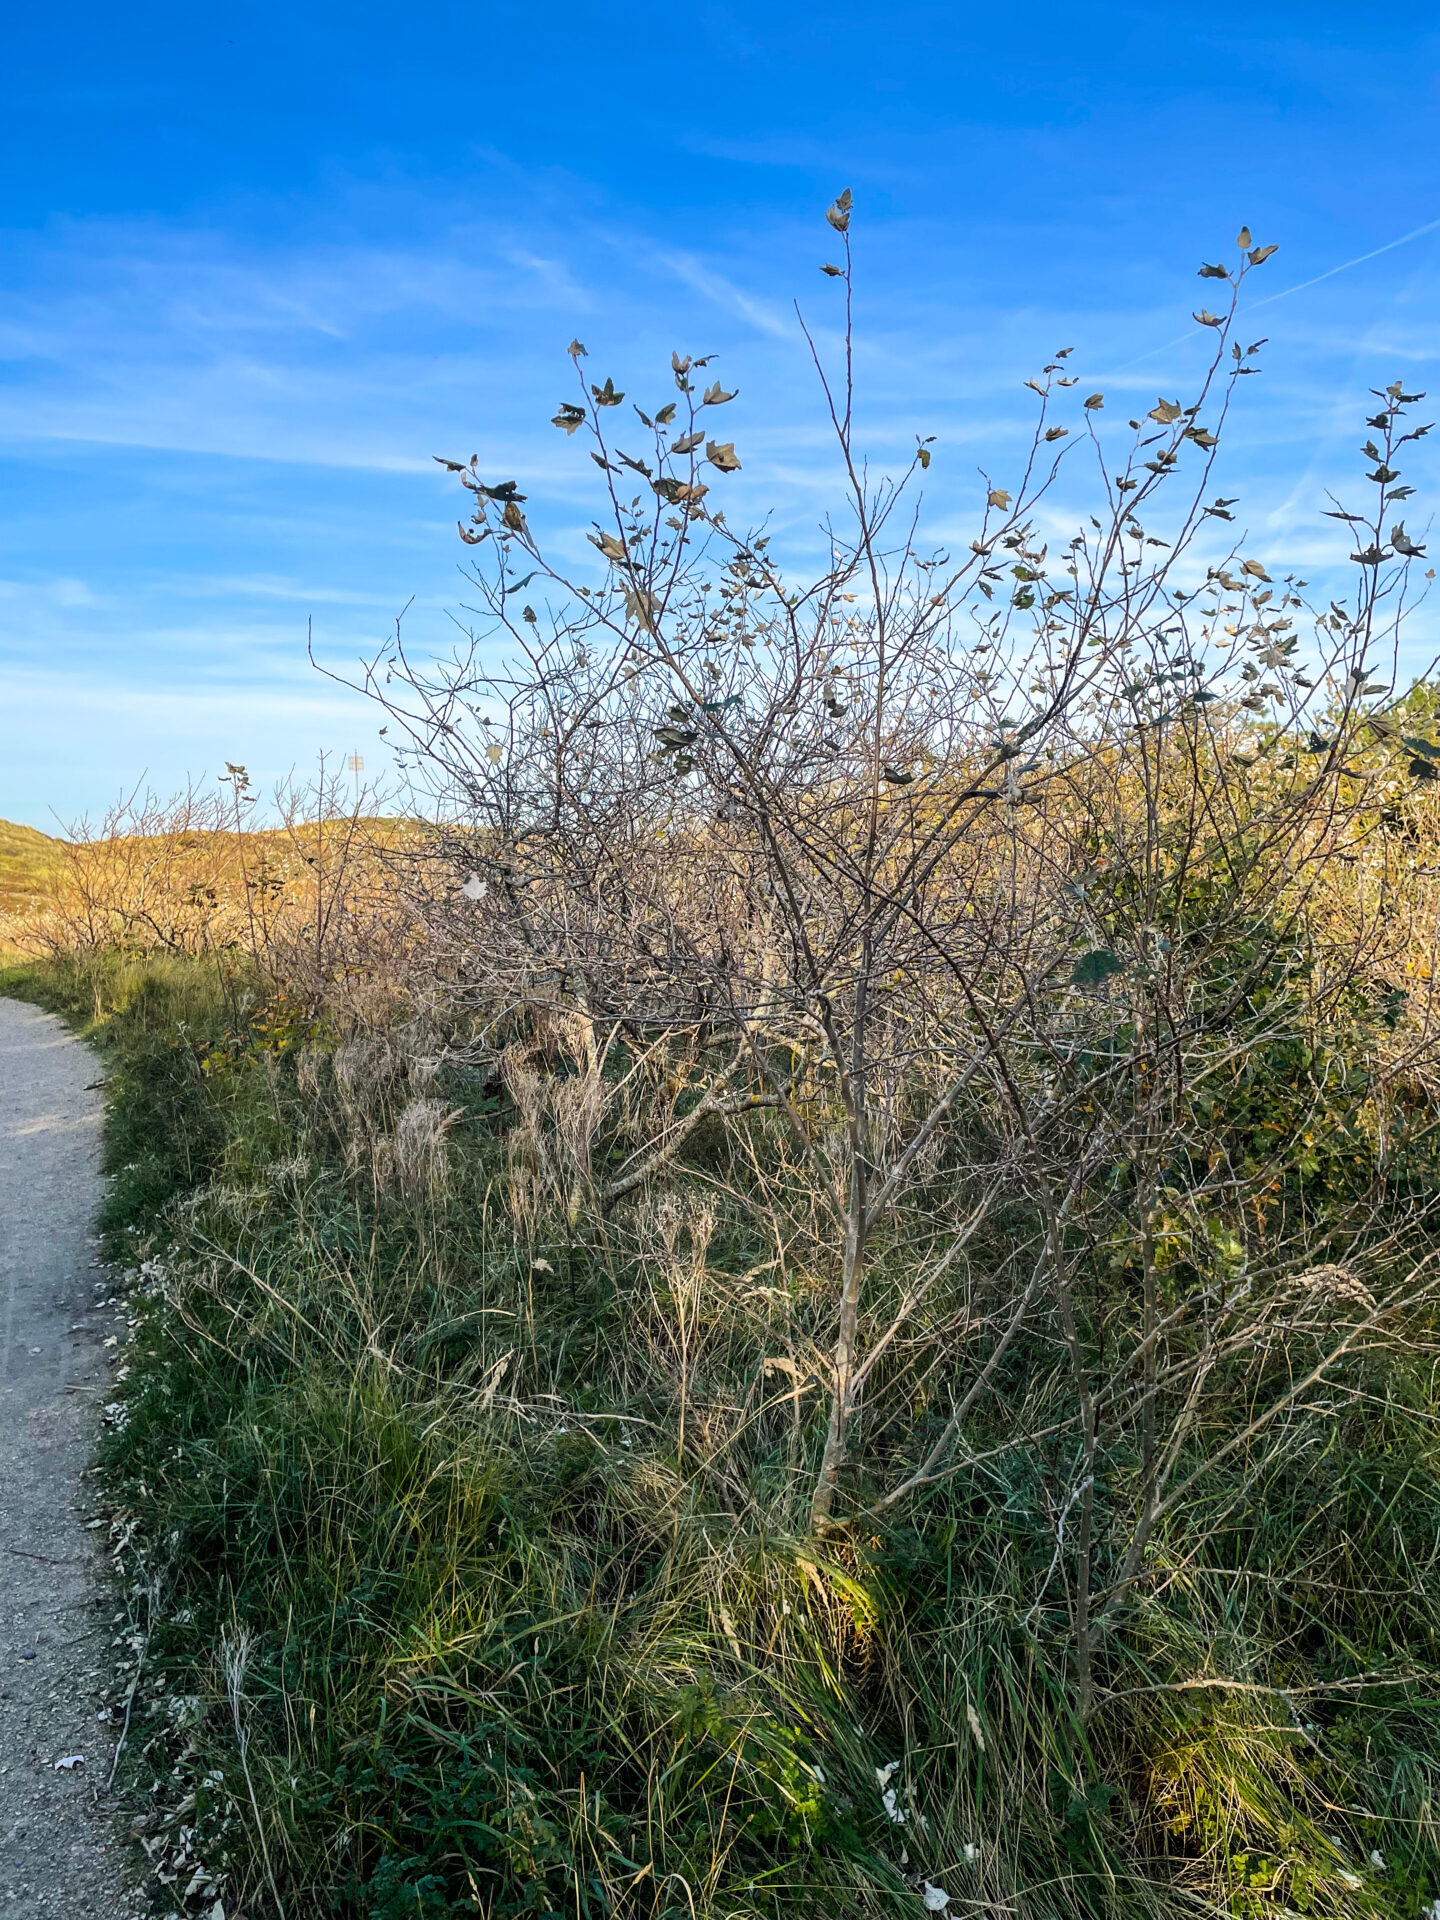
(1345, 265)
(1416, 233)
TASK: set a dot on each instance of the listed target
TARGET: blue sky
(261, 263)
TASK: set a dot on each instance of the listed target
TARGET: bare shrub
(868, 869)
(954, 1053)
(298, 891)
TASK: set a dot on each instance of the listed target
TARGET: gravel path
(56, 1853)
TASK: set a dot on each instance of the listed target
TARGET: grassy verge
(455, 1612)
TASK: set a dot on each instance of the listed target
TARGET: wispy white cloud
(65, 594)
(764, 316)
(216, 443)
(77, 743)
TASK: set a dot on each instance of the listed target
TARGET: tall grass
(523, 1640)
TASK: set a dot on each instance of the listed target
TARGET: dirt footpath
(56, 1854)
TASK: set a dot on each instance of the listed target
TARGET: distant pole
(356, 764)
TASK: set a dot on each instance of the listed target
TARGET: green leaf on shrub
(1095, 968)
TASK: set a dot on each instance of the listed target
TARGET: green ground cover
(454, 1613)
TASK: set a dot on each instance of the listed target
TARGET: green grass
(518, 1652)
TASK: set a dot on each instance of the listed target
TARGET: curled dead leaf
(839, 214)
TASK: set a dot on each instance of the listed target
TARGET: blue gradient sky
(261, 263)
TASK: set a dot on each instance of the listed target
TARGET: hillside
(27, 860)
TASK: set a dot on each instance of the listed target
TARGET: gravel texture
(58, 1852)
